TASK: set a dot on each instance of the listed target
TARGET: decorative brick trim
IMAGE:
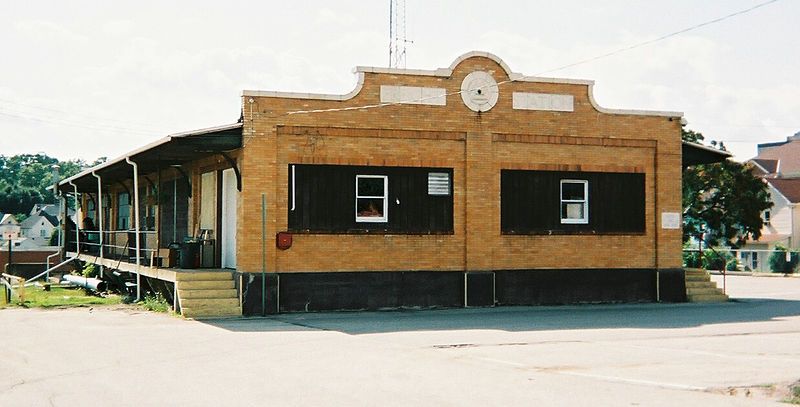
(574, 140)
(370, 161)
(379, 133)
(570, 167)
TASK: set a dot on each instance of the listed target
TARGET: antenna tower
(397, 34)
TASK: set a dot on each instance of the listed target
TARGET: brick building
(464, 186)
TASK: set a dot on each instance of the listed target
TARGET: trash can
(174, 254)
(207, 252)
(190, 255)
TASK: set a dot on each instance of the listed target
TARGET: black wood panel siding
(422, 289)
(325, 200)
(530, 202)
(574, 286)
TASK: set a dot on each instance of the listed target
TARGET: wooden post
(21, 290)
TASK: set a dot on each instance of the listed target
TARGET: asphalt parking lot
(738, 353)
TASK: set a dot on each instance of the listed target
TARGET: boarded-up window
(535, 202)
(208, 197)
(325, 199)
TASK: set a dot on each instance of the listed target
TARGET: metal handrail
(8, 288)
(48, 261)
(6, 278)
(36, 277)
(106, 242)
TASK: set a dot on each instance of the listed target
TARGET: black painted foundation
(327, 291)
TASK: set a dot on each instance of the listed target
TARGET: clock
(479, 91)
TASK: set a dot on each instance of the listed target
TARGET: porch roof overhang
(173, 150)
(694, 153)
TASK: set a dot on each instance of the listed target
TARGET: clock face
(479, 91)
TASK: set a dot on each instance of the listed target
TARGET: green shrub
(711, 260)
(778, 263)
(716, 260)
(692, 259)
(155, 303)
(794, 394)
(90, 271)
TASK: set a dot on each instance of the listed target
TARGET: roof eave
(147, 147)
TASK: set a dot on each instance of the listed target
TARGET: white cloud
(164, 67)
(118, 27)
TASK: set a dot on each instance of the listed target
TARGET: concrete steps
(206, 285)
(717, 297)
(208, 312)
(207, 294)
(700, 288)
(204, 276)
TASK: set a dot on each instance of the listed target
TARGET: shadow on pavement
(522, 318)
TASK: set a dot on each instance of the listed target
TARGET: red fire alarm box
(283, 240)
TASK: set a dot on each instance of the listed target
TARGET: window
(42, 233)
(124, 213)
(150, 209)
(767, 216)
(372, 196)
(574, 201)
(106, 211)
(90, 211)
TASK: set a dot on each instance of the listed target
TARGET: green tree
(54, 236)
(24, 180)
(779, 264)
(18, 200)
(722, 201)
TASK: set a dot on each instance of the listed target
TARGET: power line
(747, 125)
(74, 124)
(661, 38)
(34, 108)
(570, 65)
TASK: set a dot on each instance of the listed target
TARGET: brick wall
(25, 257)
(477, 146)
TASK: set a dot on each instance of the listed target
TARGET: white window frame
(584, 201)
(767, 217)
(384, 197)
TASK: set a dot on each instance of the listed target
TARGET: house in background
(778, 164)
(9, 228)
(38, 227)
(53, 210)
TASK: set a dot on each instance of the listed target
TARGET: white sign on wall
(670, 220)
(413, 95)
(543, 101)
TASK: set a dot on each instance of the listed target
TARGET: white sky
(83, 79)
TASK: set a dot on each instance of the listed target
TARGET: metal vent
(438, 183)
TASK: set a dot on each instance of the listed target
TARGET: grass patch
(62, 297)
(794, 394)
(155, 303)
